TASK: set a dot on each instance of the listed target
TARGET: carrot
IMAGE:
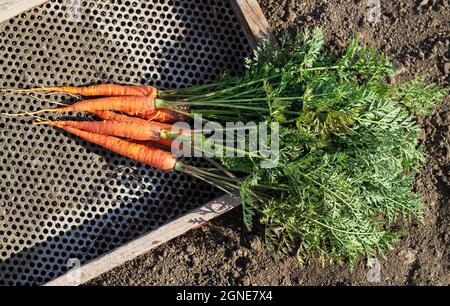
(131, 105)
(132, 130)
(146, 107)
(166, 115)
(112, 116)
(146, 154)
(160, 115)
(153, 156)
(99, 90)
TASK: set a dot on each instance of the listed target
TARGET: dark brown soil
(416, 35)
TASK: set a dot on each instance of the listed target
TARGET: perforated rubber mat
(62, 198)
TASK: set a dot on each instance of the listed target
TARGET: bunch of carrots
(133, 125)
(138, 101)
(347, 149)
(136, 120)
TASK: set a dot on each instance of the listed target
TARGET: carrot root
(131, 105)
(146, 131)
(96, 90)
(159, 115)
(29, 113)
(144, 153)
(112, 116)
(166, 115)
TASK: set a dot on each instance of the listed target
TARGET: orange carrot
(112, 116)
(159, 115)
(131, 105)
(131, 130)
(145, 154)
(166, 115)
(116, 91)
(100, 90)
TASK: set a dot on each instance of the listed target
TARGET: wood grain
(11, 8)
(145, 243)
(252, 18)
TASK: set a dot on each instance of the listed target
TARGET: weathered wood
(145, 243)
(11, 8)
(252, 18)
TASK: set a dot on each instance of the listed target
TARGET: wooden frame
(252, 18)
(256, 28)
(11, 8)
(145, 243)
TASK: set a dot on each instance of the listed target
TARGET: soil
(416, 36)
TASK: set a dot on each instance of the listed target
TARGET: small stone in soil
(190, 249)
(409, 256)
(423, 2)
(447, 68)
(195, 261)
(256, 244)
(246, 281)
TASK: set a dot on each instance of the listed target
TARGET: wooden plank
(252, 18)
(145, 243)
(11, 8)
